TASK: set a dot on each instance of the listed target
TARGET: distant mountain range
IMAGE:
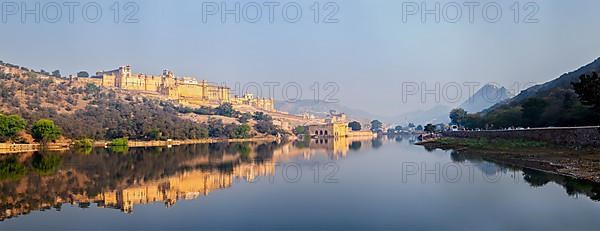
(484, 98)
(322, 109)
(435, 115)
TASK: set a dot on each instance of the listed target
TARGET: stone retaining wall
(575, 136)
(17, 148)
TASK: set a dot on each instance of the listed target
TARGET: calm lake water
(385, 183)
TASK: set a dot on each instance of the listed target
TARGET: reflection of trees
(103, 171)
(429, 148)
(305, 143)
(533, 177)
(46, 164)
(376, 143)
(355, 145)
(265, 151)
(457, 157)
(11, 169)
(571, 186)
(398, 139)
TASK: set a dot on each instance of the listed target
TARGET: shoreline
(581, 164)
(22, 148)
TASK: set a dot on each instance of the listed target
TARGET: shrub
(242, 131)
(120, 142)
(10, 126)
(266, 127)
(300, 130)
(45, 130)
(83, 143)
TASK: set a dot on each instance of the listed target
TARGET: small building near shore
(334, 126)
(328, 130)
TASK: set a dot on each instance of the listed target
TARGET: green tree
(588, 90)
(376, 125)
(119, 142)
(245, 117)
(398, 128)
(429, 128)
(473, 121)
(355, 126)
(83, 74)
(242, 131)
(154, 134)
(84, 143)
(44, 131)
(261, 116)
(300, 130)
(226, 109)
(457, 116)
(419, 128)
(56, 73)
(532, 111)
(266, 127)
(10, 126)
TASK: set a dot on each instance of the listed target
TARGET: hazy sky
(369, 53)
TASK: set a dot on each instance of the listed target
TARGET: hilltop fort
(185, 90)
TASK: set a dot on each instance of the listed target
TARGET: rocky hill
(563, 82)
(554, 103)
(89, 111)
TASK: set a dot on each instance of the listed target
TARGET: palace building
(183, 89)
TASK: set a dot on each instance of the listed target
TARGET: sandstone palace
(184, 89)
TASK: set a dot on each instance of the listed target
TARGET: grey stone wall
(576, 136)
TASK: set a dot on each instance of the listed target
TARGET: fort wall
(576, 136)
(185, 89)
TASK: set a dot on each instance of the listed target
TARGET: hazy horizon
(369, 53)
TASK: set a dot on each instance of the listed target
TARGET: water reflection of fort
(186, 186)
(122, 181)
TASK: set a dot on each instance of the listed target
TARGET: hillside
(89, 111)
(563, 82)
(554, 103)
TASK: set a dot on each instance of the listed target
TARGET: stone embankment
(19, 148)
(569, 136)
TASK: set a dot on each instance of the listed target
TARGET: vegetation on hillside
(88, 111)
(44, 131)
(10, 126)
(575, 105)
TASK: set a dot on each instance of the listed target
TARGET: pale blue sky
(371, 50)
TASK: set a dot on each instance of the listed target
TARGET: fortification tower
(121, 76)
